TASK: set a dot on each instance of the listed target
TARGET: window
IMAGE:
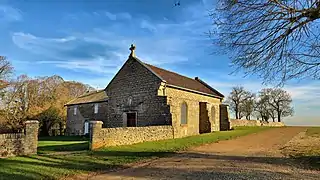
(96, 108)
(184, 113)
(129, 101)
(75, 110)
(213, 114)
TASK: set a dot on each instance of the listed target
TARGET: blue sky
(88, 41)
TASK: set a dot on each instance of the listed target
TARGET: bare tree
(247, 104)
(5, 70)
(273, 114)
(279, 102)
(239, 100)
(276, 39)
(262, 106)
(14, 105)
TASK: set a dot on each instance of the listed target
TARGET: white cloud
(146, 25)
(167, 43)
(117, 16)
(111, 16)
(97, 65)
(40, 44)
(124, 15)
(160, 48)
(307, 92)
(56, 50)
(8, 13)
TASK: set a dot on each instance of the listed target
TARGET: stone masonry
(176, 97)
(102, 137)
(85, 112)
(20, 143)
(135, 89)
(242, 122)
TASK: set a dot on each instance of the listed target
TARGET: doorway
(204, 123)
(132, 119)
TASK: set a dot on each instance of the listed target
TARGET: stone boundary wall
(20, 143)
(243, 122)
(103, 137)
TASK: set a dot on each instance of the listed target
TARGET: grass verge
(313, 131)
(61, 156)
(305, 149)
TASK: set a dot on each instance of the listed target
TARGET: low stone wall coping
(96, 122)
(243, 122)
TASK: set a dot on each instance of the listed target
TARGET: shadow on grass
(64, 138)
(64, 147)
(130, 153)
(49, 167)
(306, 162)
(57, 166)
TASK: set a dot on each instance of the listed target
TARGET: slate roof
(175, 79)
(91, 97)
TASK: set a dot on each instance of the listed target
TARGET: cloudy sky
(88, 41)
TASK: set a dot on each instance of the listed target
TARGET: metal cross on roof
(132, 48)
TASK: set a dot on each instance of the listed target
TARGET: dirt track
(256, 156)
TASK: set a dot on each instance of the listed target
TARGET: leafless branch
(277, 40)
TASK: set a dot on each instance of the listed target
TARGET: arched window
(130, 101)
(213, 114)
(184, 113)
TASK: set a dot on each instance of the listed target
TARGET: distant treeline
(268, 103)
(41, 98)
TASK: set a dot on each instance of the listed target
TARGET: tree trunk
(44, 129)
(237, 115)
(279, 117)
(61, 129)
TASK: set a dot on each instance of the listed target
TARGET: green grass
(313, 131)
(53, 144)
(179, 144)
(61, 156)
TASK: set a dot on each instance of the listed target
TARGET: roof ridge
(90, 93)
(170, 71)
(198, 84)
(93, 94)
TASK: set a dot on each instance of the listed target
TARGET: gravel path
(256, 156)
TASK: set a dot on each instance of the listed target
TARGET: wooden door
(131, 120)
(204, 123)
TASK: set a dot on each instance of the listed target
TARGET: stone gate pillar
(95, 128)
(31, 138)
